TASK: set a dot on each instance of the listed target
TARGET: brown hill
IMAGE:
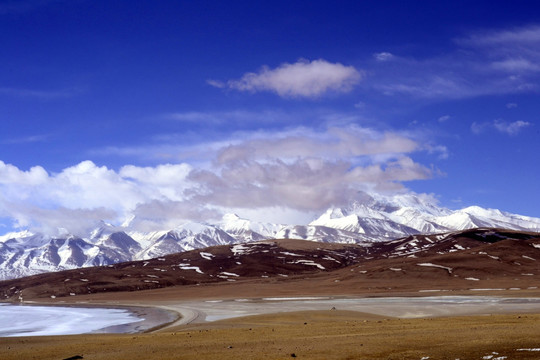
(475, 259)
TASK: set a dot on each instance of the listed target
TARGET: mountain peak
(231, 217)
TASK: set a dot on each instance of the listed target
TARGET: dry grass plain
(324, 334)
(306, 335)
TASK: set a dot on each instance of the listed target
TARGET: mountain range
(468, 261)
(375, 219)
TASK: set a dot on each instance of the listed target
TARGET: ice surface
(20, 320)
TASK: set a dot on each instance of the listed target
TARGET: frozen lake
(30, 320)
(401, 307)
(21, 320)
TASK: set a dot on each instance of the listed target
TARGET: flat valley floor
(306, 335)
(315, 334)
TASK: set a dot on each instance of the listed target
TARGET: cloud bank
(308, 79)
(296, 170)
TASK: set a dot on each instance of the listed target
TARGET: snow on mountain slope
(415, 219)
(323, 234)
(506, 220)
(406, 215)
(188, 236)
(245, 230)
(377, 225)
(376, 218)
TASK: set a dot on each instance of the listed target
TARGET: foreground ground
(505, 268)
(307, 335)
(325, 334)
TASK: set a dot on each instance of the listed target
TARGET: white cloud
(305, 184)
(512, 128)
(335, 142)
(302, 79)
(168, 214)
(444, 118)
(36, 198)
(298, 170)
(438, 149)
(54, 220)
(511, 105)
(383, 56)
(509, 128)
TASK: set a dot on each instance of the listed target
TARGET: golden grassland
(306, 335)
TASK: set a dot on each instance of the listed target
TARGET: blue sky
(174, 111)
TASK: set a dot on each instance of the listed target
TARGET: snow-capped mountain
(245, 230)
(374, 219)
(403, 216)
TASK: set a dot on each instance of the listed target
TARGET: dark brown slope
(263, 260)
(481, 258)
(508, 264)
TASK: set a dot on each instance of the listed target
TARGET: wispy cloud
(515, 37)
(482, 63)
(438, 149)
(335, 142)
(512, 128)
(39, 94)
(234, 117)
(444, 118)
(383, 56)
(509, 128)
(26, 139)
(308, 79)
(24, 6)
(478, 127)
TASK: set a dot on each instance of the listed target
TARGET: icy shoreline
(44, 320)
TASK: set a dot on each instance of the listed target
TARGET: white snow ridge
(376, 218)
